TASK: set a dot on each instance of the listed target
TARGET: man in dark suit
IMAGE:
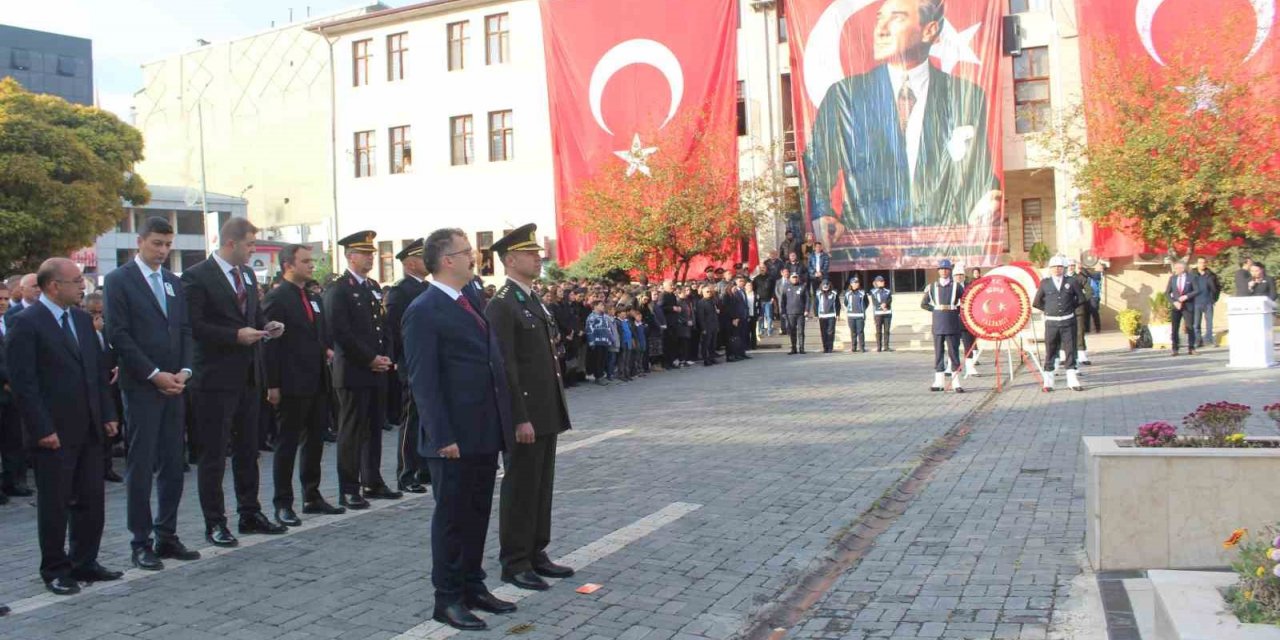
(736, 313)
(361, 370)
(910, 139)
(411, 469)
(1208, 288)
(457, 375)
(527, 333)
(13, 458)
(59, 378)
(94, 304)
(147, 324)
(227, 325)
(28, 294)
(707, 316)
(295, 366)
(1181, 291)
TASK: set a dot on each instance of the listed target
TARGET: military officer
(411, 469)
(525, 331)
(942, 298)
(882, 306)
(1058, 297)
(362, 363)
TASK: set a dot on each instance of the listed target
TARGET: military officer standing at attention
(526, 333)
(942, 298)
(411, 470)
(1058, 297)
(361, 367)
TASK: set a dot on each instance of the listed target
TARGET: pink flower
(1276, 571)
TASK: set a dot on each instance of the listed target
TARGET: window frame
(463, 39)
(360, 56)
(505, 135)
(364, 153)
(463, 141)
(403, 145)
(1039, 222)
(396, 56)
(1018, 104)
(740, 109)
(502, 32)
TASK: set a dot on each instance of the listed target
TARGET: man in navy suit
(227, 325)
(27, 294)
(910, 139)
(147, 324)
(13, 457)
(1182, 291)
(59, 378)
(458, 379)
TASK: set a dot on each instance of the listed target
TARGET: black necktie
(66, 328)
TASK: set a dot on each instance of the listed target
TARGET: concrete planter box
(1160, 508)
(1161, 335)
(1190, 606)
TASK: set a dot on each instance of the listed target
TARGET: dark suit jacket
(221, 363)
(295, 361)
(457, 376)
(399, 296)
(17, 307)
(792, 300)
(706, 315)
(59, 387)
(1189, 289)
(357, 322)
(143, 337)
(526, 336)
(735, 306)
(5, 396)
(1265, 288)
(856, 131)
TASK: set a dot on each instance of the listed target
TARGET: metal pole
(204, 187)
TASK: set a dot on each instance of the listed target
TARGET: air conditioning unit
(790, 170)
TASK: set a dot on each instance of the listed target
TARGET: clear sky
(128, 33)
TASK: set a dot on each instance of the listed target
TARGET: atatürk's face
(899, 36)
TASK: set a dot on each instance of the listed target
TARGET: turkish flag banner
(897, 107)
(624, 74)
(1226, 39)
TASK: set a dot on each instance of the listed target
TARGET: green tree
(64, 171)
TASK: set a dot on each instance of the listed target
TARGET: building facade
(48, 63)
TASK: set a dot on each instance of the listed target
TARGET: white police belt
(944, 307)
(831, 314)
(1070, 316)
(857, 315)
(883, 312)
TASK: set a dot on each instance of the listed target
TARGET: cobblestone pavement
(758, 466)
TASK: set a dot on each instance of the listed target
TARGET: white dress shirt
(454, 294)
(226, 271)
(918, 79)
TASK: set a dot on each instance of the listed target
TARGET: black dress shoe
(353, 501)
(411, 488)
(112, 476)
(388, 427)
(19, 491)
(381, 493)
(322, 507)
(287, 517)
(144, 558)
(96, 573)
(457, 616)
(176, 550)
(526, 580)
(329, 436)
(4, 610)
(550, 569)
(63, 586)
(220, 536)
(490, 603)
(258, 523)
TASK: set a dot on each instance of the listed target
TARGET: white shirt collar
(146, 269)
(54, 307)
(359, 278)
(223, 264)
(917, 77)
(453, 293)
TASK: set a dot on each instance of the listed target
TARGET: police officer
(882, 306)
(942, 298)
(526, 332)
(827, 305)
(361, 365)
(1058, 297)
(857, 303)
(411, 469)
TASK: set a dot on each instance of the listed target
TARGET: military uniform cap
(523, 239)
(709, 270)
(719, 270)
(410, 250)
(359, 241)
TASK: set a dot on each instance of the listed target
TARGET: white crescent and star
(822, 67)
(1145, 14)
(625, 54)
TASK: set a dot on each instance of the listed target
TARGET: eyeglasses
(457, 253)
(79, 280)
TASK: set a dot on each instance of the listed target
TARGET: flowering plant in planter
(1273, 412)
(1219, 423)
(1256, 600)
(1156, 434)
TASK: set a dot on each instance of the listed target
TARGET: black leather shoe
(64, 586)
(96, 573)
(322, 507)
(287, 517)
(381, 493)
(4, 610)
(258, 523)
(388, 427)
(526, 580)
(220, 536)
(353, 501)
(329, 436)
(112, 476)
(144, 558)
(176, 550)
(412, 488)
(549, 569)
(457, 616)
(490, 603)
(19, 491)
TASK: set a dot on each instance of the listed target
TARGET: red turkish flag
(619, 71)
(1231, 38)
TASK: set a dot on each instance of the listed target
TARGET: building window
(1032, 223)
(460, 143)
(501, 136)
(360, 62)
(397, 45)
(20, 59)
(782, 22)
(386, 261)
(1023, 6)
(458, 40)
(1031, 89)
(484, 240)
(189, 223)
(66, 66)
(401, 150)
(124, 256)
(364, 154)
(190, 258)
(909, 280)
(497, 37)
(788, 120)
(742, 108)
(125, 224)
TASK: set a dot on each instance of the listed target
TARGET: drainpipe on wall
(333, 153)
